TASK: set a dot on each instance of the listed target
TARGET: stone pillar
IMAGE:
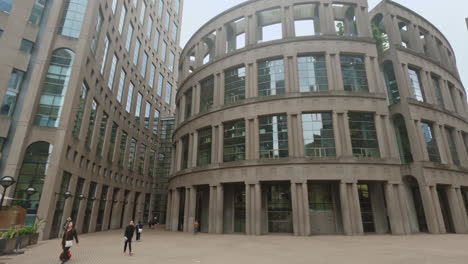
(429, 210)
(190, 151)
(305, 206)
(175, 209)
(393, 209)
(381, 139)
(251, 29)
(338, 75)
(356, 209)
(403, 208)
(219, 208)
(192, 208)
(463, 208)
(336, 135)
(255, 140)
(438, 211)
(326, 19)
(82, 208)
(291, 135)
(295, 210)
(251, 80)
(456, 210)
(178, 160)
(214, 144)
(194, 149)
(287, 21)
(332, 82)
(168, 211)
(363, 24)
(212, 210)
(220, 88)
(300, 136)
(196, 99)
(414, 39)
(460, 144)
(371, 76)
(438, 133)
(345, 209)
(94, 209)
(392, 144)
(220, 151)
(220, 42)
(186, 209)
(258, 208)
(347, 146)
(108, 204)
(181, 117)
(422, 142)
(248, 214)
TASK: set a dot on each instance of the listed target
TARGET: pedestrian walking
(196, 225)
(139, 229)
(128, 236)
(67, 242)
(65, 226)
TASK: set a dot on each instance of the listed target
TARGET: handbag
(69, 243)
(140, 230)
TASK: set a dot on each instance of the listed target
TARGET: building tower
(83, 86)
(285, 124)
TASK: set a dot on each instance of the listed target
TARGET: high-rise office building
(83, 87)
(319, 117)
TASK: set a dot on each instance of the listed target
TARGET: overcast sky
(448, 16)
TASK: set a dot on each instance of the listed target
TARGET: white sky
(448, 16)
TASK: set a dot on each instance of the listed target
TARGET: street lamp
(6, 181)
(30, 191)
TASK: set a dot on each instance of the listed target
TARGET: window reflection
(363, 135)
(273, 136)
(318, 135)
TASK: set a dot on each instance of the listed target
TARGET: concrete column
(463, 208)
(214, 144)
(403, 209)
(194, 149)
(251, 30)
(363, 24)
(178, 160)
(287, 22)
(186, 209)
(397, 36)
(413, 36)
(393, 210)
(299, 137)
(305, 206)
(107, 208)
(196, 99)
(432, 222)
(192, 208)
(348, 150)
(381, 139)
(438, 211)
(338, 75)
(181, 117)
(332, 82)
(220, 42)
(220, 89)
(295, 210)
(336, 135)
(256, 139)
(441, 145)
(345, 209)
(82, 208)
(94, 209)
(221, 143)
(212, 210)
(175, 209)
(216, 89)
(168, 211)
(326, 19)
(190, 151)
(291, 135)
(456, 210)
(392, 144)
(251, 80)
(426, 89)
(356, 209)
(248, 214)
(422, 144)
(288, 74)
(219, 208)
(371, 77)
(248, 138)
(380, 88)
(258, 208)
(461, 150)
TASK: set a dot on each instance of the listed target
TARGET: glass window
(143, 65)
(431, 143)
(160, 84)
(59, 205)
(149, 27)
(391, 83)
(72, 19)
(206, 94)
(318, 133)
(167, 21)
(234, 141)
(128, 106)
(306, 20)
(437, 92)
(76, 201)
(273, 132)
(80, 110)
(204, 146)
(102, 207)
(123, 75)
(156, 40)
(131, 154)
(114, 6)
(92, 120)
(363, 135)
(147, 114)
(163, 51)
(113, 138)
(403, 142)
(104, 56)
(99, 20)
(185, 151)
(177, 7)
(168, 93)
(235, 38)
(234, 85)
(160, 8)
(32, 174)
(312, 71)
(418, 92)
(452, 146)
(171, 61)
(123, 145)
(123, 13)
(270, 77)
(110, 82)
(152, 76)
(14, 87)
(188, 104)
(102, 134)
(269, 25)
(320, 197)
(5, 5)
(354, 73)
(129, 37)
(174, 32)
(54, 88)
(138, 107)
(36, 12)
(155, 121)
(136, 52)
(142, 12)
(141, 164)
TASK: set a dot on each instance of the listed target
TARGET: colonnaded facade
(319, 117)
(84, 85)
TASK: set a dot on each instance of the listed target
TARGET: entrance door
(279, 208)
(366, 208)
(444, 207)
(180, 225)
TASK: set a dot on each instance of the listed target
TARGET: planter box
(33, 239)
(7, 245)
(24, 240)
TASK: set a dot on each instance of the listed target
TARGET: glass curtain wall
(204, 146)
(234, 141)
(431, 143)
(363, 135)
(318, 133)
(312, 73)
(206, 94)
(354, 73)
(273, 136)
(271, 77)
(234, 85)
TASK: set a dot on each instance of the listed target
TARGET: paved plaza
(181, 248)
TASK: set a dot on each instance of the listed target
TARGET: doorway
(279, 207)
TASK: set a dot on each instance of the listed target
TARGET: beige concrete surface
(184, 248)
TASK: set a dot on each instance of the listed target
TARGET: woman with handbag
(67, 242)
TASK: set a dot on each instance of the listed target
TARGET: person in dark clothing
(67, 241)
(128, 237)
(139, 228)
(65, 226)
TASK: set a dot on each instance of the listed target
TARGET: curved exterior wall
(354, 182)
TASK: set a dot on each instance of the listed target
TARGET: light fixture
(6, 181)
(81, 197)
(30, 191)
(67, 195)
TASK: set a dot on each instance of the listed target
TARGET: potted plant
(8, 241)
(34, 237)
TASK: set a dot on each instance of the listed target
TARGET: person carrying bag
(67, 242)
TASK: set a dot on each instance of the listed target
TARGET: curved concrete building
(319, 117)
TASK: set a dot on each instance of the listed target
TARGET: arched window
(401, 133)
(32, 174)
(391, 83)
(54, 88)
